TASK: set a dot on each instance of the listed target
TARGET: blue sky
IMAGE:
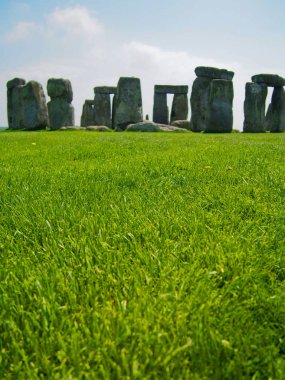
(93, 43)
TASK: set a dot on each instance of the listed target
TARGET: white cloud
(21, 31)
(75, 21)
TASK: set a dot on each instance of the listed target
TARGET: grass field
(142, 256)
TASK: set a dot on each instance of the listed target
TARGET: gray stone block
(170, 89)
(199, 101)
(61, 113)
(160, 109)
(254, 107)
(105, 90)
(128, 104)
(276, 115)
(88, 115)
(213, 73)
(102, 109)
(220, 116)
(14, 103)
(60, 88)
(35, 113)
(180, 108)
(271, 80)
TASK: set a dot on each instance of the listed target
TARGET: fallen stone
(220, 116)
(214, 73)
(35, 113)
(199, 101)
(254, 107)
(271, 80)
(128, 104)
(60, 88)
(148, 126)
(170, 89)
(184, 124)
(99, 128)
(179, 110)
(72, 128)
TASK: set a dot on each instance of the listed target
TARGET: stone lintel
(170, 89)
(271, 80)
(213, 73)
(105, 90)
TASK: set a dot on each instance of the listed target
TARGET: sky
(94, 42)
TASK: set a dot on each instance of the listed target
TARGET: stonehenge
(211, 103)
(179, 109)
(26, 105)
(255, 119)
(212, 100)
(60, 110)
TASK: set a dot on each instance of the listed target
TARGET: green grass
(142, 256)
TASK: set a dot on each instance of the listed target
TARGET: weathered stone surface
(14, 103)
(128, 104)
(179, 110)
(160, 109)
(60, 88)
(87, 116)
(99, 128)
(35, 114)
(276, 115)
(169, 89)
(271, 80)
(105, 90)
(72, 128)
(148, 126)
(102, 109)
(184, 124)
(213, 73)
(254, 107)
(61, 113)
(220, 116)
(199, 101)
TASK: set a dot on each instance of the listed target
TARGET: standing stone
(102, 109)
(35, 114)
(87, 117)
(199, 101)
(254, 107)
(220, 116)
(276, 115)
(15, 103)
(61, 112)
(128, 105)
(160, 109)
(268, 118)
(113, 110)
(179, 110)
